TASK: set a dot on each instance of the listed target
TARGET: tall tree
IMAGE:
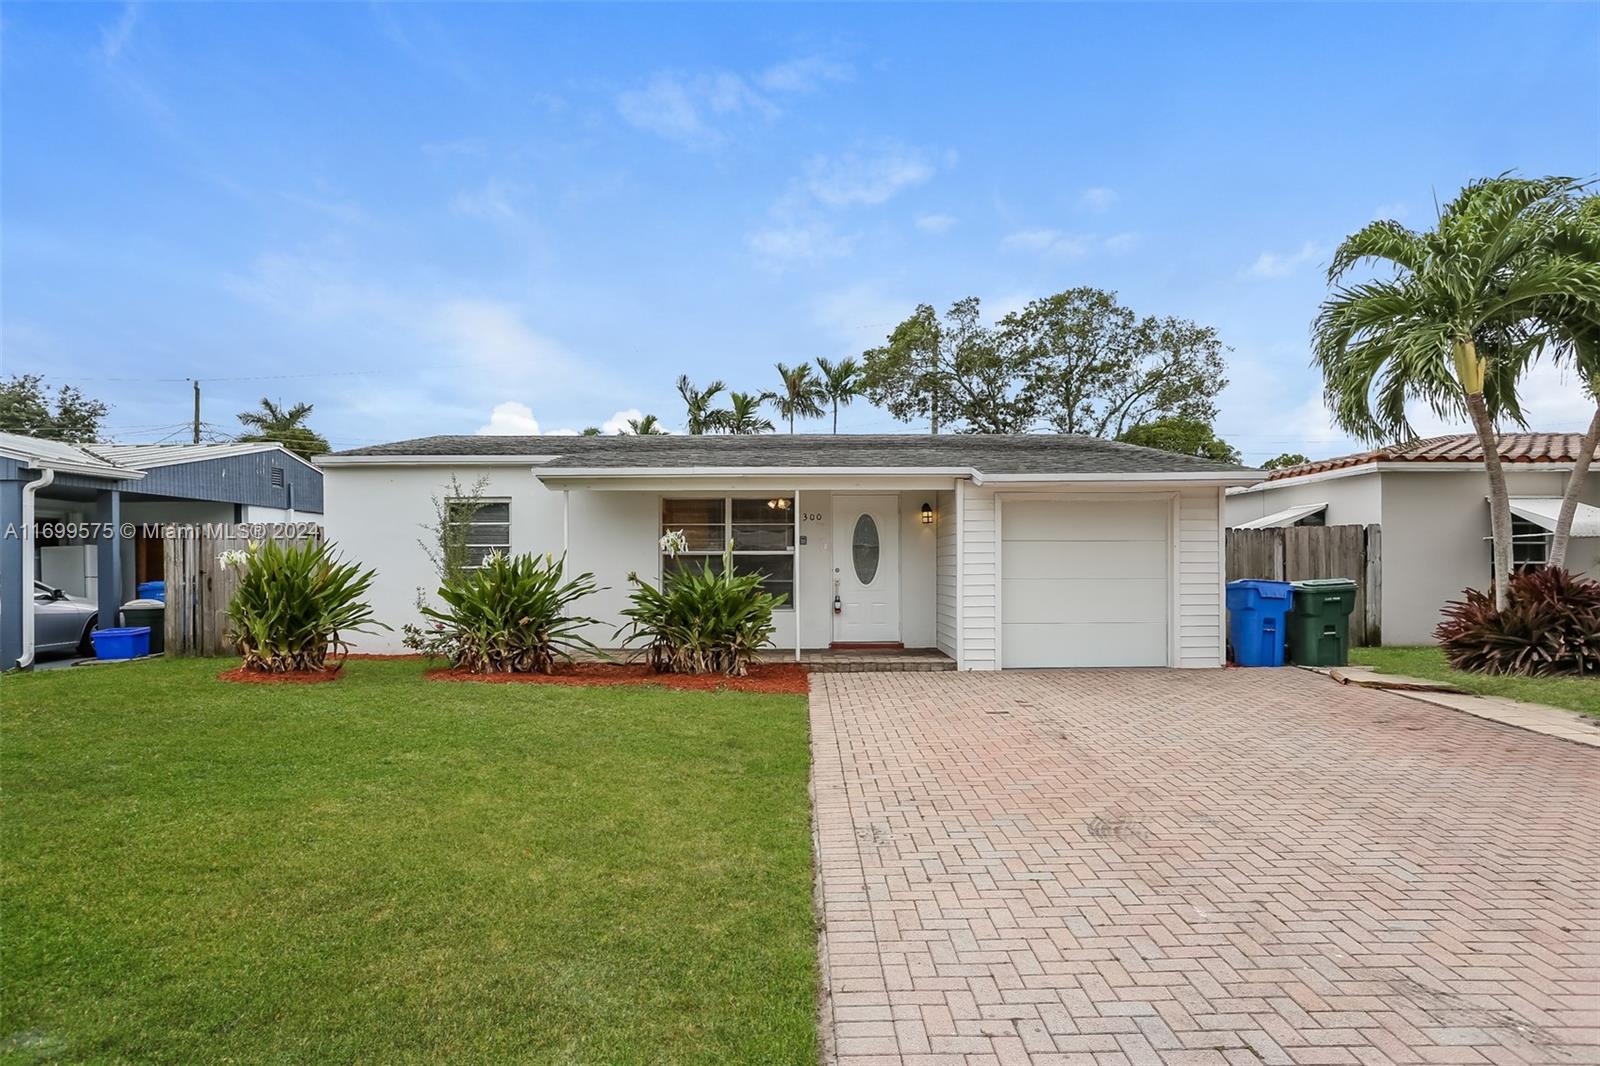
(285, 425)
(1575, 325)
(841, 383)
(1185, 436)
(800, 394)
(26, 408)
(647, 426)
(744, 414)
(1096, 367)
(951, 371)
(700, 415)
(1453, 324)
(1077, 361)
(1287, 459)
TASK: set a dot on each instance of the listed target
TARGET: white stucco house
(999, 551)
(1431, 499)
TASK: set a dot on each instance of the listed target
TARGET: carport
(29, 467)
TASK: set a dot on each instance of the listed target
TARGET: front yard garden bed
(781, 678)
(384, 870)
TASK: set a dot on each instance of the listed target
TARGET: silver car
(61, 622)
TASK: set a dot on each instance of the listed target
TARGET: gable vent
(277, 477)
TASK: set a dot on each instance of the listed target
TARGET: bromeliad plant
(703, 620)
(294, 604)
(1549, 625)
(510, 615)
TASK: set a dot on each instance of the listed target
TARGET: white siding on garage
(944, 596)
(1200, 565)
(1198, 558)
(979, 571)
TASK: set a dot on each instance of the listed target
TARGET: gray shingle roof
(988, 454)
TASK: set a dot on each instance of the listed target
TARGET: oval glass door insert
(864, 549)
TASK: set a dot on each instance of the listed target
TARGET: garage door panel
(1056, 520)
(1085, 582)
(1095, 600)
(1101, 558)
(1085, 644)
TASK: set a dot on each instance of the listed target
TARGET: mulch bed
(294, 677)
(784, 678)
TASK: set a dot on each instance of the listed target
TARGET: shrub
(1551, 625)
(293, 603)
(703, 620)
(510, 616)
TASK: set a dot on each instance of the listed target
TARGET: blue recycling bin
(127, 642)
(152, 590)
(1256, 613)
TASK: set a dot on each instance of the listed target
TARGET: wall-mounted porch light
(927, 514)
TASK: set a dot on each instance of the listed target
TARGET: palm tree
(841, 383)
(1577, 342)
(701, 417)
(800, 394)
(744, 413)
(285, 426)
(648, 426)
(1454, 326)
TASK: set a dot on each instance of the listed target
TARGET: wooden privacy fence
(1298, 553)
(200, 588)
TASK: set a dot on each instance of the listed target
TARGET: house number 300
(810, 516)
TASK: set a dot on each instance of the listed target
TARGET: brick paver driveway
(1198, 868)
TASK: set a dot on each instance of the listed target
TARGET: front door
(866, 569)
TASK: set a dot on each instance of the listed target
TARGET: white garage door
(1084, 583)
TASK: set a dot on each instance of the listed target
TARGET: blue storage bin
(127, 642)
(153, 590)
(1256, 613)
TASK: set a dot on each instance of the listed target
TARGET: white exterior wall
(945, 573)
(1196, 618)
(376, 514)
(1353, 500)
(1434, 546)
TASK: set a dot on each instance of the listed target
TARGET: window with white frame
(761, 529)
(485, 526)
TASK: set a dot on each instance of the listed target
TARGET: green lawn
(1577, 694)
(386, 869)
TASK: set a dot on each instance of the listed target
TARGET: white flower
(233, 558)
(674, 542)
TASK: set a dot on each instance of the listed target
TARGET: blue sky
(417, 216)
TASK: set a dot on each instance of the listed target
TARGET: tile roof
(1455, 448)
(991, 454)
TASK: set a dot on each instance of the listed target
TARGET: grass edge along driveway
(389, 869)
(1428, 663)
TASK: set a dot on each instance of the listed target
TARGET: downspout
(43, 481)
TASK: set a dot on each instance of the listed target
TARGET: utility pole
(196, 409)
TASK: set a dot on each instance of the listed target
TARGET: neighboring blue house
(86, 500)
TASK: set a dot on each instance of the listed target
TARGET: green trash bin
(152, 613)
(1319, 622)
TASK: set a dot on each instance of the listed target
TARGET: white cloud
(1118, 243)
(682, 108)
(493, 336)
(936, 223)
(1051, 242)
(510, 419)
(850, 179)
(861, 315)
(618, 423)
(115, 37)
(1282, 264)
(490, 202)
(799, 242)
(804, 75)
(1098, 199)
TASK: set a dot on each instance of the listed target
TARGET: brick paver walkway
(1198, 868)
